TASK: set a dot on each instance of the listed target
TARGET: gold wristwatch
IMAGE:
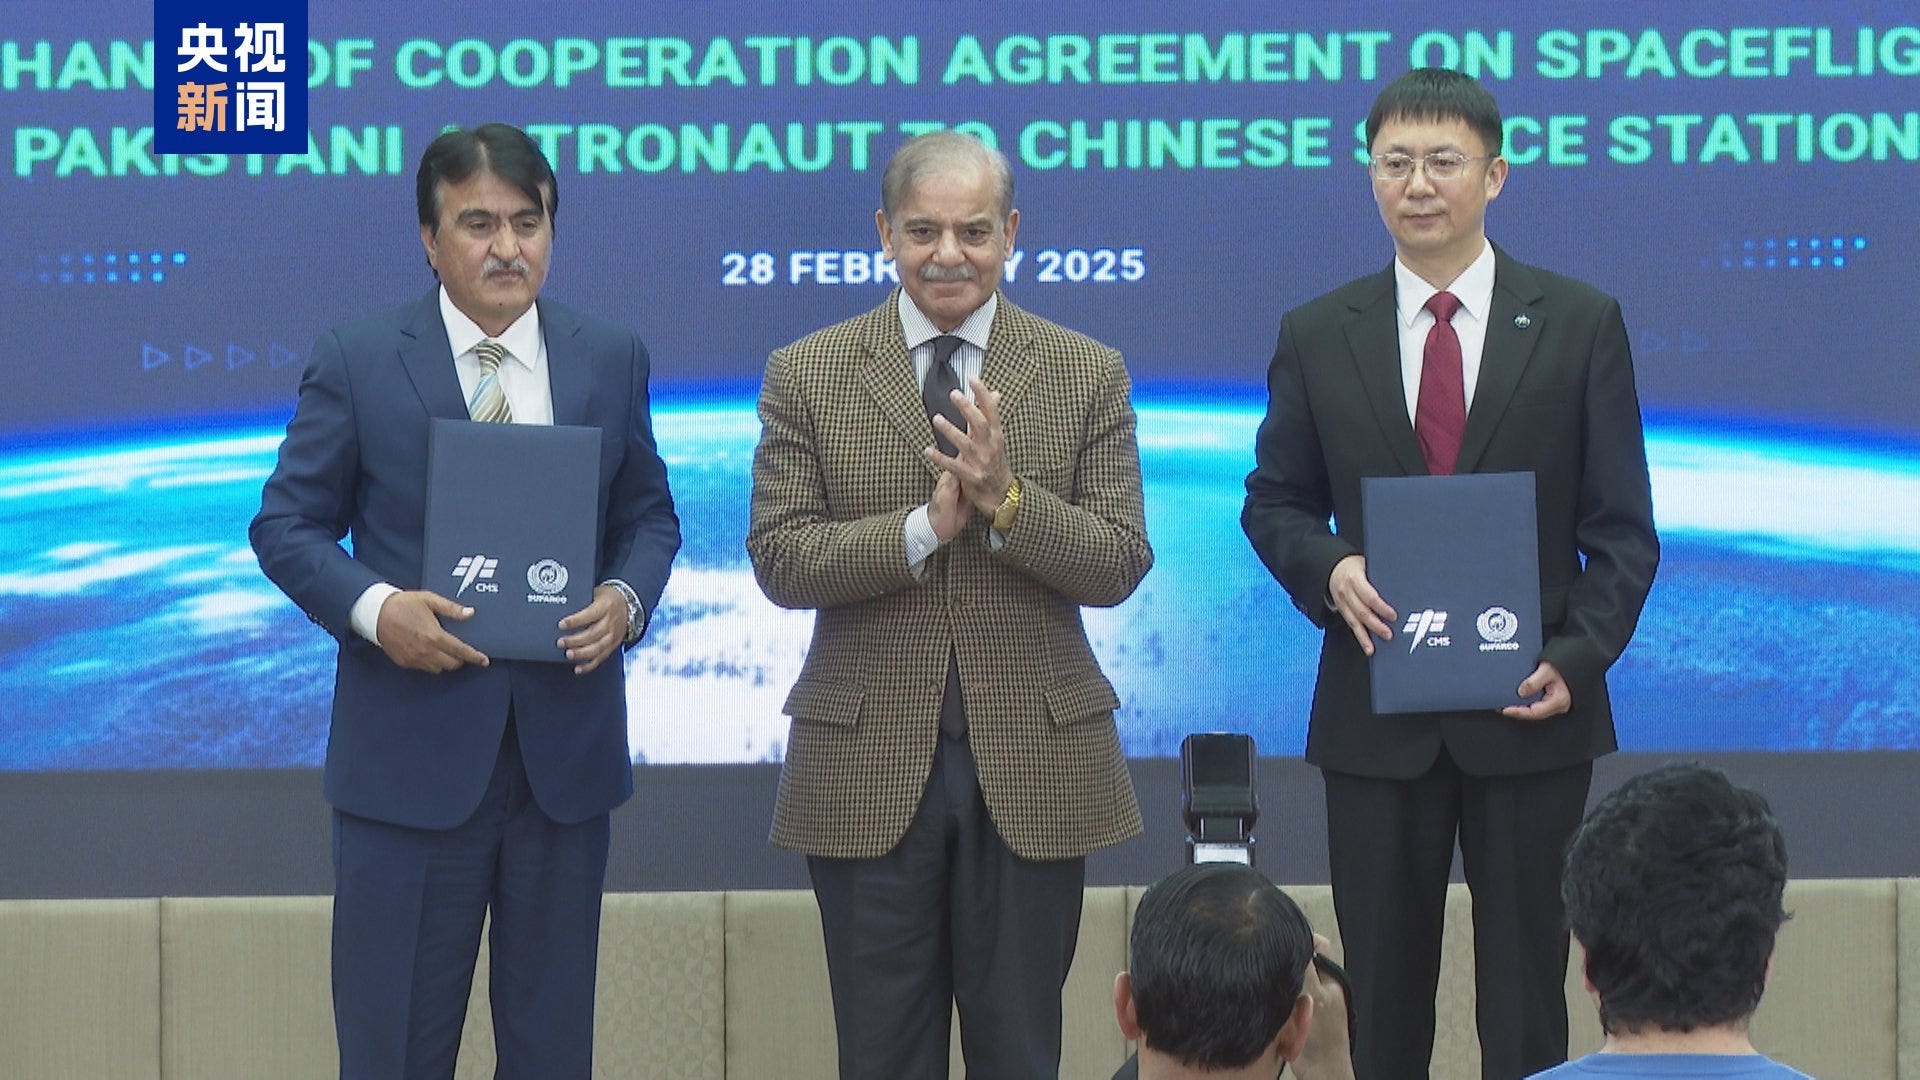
(1009, 508)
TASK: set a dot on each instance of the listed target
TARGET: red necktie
(1440, 417)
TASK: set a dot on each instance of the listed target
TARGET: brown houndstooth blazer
(837, 470)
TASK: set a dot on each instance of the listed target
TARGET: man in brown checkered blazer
(947, 480)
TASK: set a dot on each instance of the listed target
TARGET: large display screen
(1740, 176)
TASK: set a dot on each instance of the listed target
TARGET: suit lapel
(1374, 337)
(889, 379)
(1514, 324)
(889, 376)
(1009, 366)
(569, 367)
(428, 359)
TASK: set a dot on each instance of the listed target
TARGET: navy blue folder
(511, 530)
(1458, 558)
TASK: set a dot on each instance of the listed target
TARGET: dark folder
(511, 530)
(1458, 558)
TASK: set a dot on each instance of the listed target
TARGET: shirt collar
(522, 339)
(919, 329)
(1474, 288)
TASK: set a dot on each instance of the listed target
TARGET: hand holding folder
(1367, 614)
(596, 631)
(1547, 691)
(412, 635)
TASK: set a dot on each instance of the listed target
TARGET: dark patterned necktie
(489, 404)
(1440, 417)
(936, 393)
(936, 390)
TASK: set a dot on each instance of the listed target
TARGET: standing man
(1455, 359)
(952, 757)
(461, 785)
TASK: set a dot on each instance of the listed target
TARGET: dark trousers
(407, 911)
(949, 916)
(1390, 848)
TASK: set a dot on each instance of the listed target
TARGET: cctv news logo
(1426, 627)
(230, 76)
(476, 571)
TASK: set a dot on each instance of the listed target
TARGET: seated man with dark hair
(1673, 886)
(1223, 983)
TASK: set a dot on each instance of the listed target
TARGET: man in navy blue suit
(461, 785)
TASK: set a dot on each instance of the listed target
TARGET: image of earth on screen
(1738, 175)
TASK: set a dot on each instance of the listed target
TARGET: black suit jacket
(1556, 398)
(417, 749)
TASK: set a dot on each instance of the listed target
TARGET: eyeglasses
(1440, 165)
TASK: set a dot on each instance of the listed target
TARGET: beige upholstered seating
(733, 985)
(244, 988)
(80, 988)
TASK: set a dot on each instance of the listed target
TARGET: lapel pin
(1522, 321)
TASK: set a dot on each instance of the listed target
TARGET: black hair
(1437, 94)
(1217, 958)
(1673, 885)
(502, 149)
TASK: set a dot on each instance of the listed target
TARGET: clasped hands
(976, 476)
(412, 636)
(1369, 616)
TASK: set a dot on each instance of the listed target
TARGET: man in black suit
(1457, 358)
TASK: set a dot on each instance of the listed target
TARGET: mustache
(963, 272)
(518, 266)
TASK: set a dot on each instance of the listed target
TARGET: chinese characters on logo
(256, 105)
(230, 77)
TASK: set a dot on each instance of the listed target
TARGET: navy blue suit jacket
(413, 748)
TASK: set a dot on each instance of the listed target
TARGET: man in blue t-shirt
(1672, 886)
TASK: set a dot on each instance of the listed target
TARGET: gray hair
(938, 152)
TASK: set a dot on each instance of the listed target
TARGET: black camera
(1217, 798)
